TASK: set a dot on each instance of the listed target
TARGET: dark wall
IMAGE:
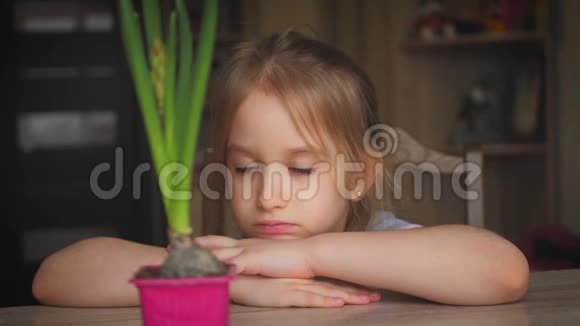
(70, 104)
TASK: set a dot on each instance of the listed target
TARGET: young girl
(292, 113)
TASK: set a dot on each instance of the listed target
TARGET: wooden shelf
(477, 39)
(503, 149)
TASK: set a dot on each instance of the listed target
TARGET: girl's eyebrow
(238, 148)
(290, 151)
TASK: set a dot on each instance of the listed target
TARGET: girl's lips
(278, 228)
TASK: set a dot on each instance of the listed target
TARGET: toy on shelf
(481, 118)
(433, 22)
(507, 15)
(527, 103)
(436, 22)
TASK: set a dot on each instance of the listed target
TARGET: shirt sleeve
(386, 220)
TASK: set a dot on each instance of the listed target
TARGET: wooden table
(553, 299)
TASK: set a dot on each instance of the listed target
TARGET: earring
(359, 194)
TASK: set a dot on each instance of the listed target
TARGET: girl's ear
(367, 178)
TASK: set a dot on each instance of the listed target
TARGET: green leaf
(170, 89)
(192, 116)
(183, 97)
(203, 63)
(184, 78)
(152, 20)
(134, 50)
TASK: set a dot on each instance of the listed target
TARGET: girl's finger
(347, 288)
(375, 296)
(311, 299)
(350, 287)
(336, 292)
(225, 254)
(216, 241)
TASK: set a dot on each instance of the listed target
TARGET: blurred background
(494, 82)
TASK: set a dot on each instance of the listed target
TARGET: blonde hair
(327, 95)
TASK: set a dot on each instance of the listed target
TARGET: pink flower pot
(184, 301)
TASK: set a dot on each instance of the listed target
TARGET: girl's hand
(274, 258)
(288, 292)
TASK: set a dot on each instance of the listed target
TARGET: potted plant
(171, 82)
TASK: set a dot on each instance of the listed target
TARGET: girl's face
(281, 188)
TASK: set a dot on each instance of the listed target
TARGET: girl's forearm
(452, 264)
(93, 273)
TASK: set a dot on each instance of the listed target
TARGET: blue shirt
(386, 220)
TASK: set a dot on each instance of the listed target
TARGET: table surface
(553, 298)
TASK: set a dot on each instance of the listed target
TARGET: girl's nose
(276, 187)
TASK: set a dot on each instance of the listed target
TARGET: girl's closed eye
(301, 171)
(246, 169)
(293, 170)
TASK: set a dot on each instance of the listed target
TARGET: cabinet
(518, 187)
(73, 108)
